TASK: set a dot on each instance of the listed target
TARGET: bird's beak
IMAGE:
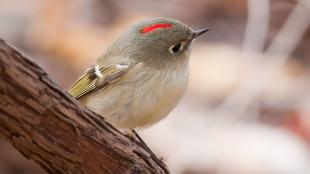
(199, 32)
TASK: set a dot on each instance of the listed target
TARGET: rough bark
(49, 127)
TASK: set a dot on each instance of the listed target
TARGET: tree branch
(49, 127)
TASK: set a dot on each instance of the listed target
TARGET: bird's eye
(177, 47)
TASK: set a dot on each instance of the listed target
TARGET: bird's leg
(142, 142)
(128, 133)
(139, 138)
(132, 134)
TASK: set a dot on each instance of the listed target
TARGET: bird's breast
(160, 94)
(142, 97)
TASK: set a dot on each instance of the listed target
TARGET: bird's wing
(97, 77)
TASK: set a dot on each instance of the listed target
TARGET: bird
(141, 76)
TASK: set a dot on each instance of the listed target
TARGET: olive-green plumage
(141, 76)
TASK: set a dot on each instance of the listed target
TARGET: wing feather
(90, 81)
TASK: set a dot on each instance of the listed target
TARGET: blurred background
(247, 106)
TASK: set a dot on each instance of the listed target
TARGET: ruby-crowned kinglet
(141, 76)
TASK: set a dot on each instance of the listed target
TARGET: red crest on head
(155, 26)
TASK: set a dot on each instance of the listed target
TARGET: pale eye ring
(176, 48)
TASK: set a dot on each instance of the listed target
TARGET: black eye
(176, 48)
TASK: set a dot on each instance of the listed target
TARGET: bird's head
(157, 42)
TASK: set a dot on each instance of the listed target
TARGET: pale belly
(139, 100)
